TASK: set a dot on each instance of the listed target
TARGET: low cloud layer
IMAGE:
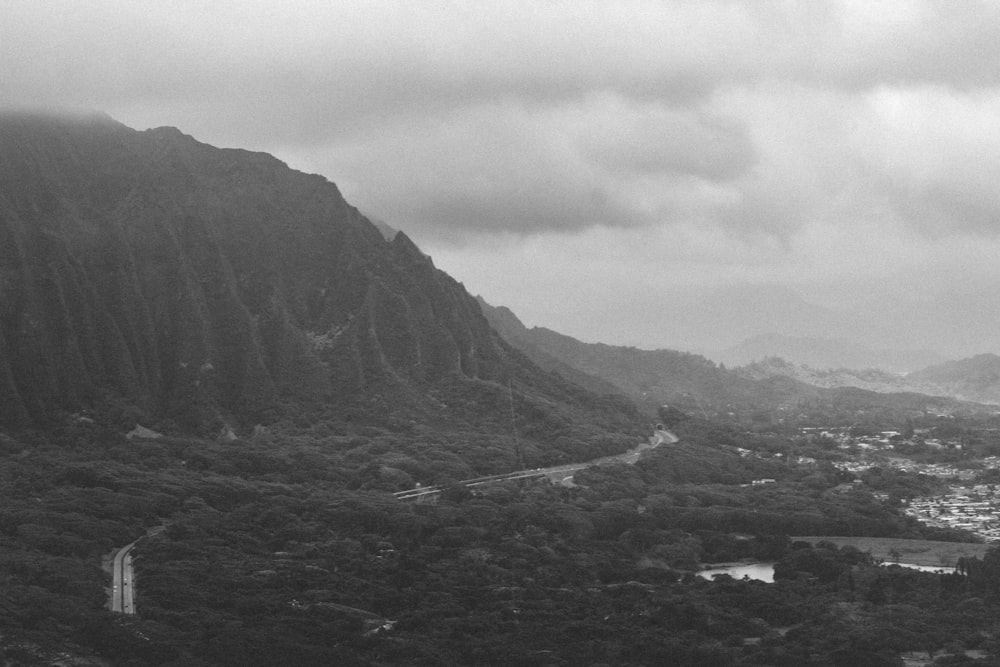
(809, 144)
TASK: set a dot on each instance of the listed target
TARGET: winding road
(559, 474)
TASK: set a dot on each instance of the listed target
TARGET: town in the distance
(963, 455)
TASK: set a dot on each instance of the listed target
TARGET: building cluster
(885, 440)
(972, 508)
(975, 508)
(907, 465)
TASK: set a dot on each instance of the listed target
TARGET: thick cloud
(605, 161)
(811, 143)
(657, 140)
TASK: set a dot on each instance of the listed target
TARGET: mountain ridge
(977, 378)
(875, 320)
(194, 285)
(698, 385)
(974, 379)
(829, 353)
(649, 377)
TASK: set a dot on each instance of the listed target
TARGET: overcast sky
(575, 159)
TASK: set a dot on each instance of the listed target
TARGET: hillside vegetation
(147, 277)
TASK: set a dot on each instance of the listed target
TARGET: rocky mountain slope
(197, 285)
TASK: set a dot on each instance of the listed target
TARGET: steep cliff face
(195, 281)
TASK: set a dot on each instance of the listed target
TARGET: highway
(559, 474)
(123, 581)
(123, 591)
(123, 576)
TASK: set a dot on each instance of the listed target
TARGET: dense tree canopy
(287, 547)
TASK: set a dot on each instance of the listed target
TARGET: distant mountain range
(901, 333)
(974, 379)
(648, 377)
(826, 353)
(694, 383)
(871, 379)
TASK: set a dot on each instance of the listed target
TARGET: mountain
(160, 278)
(650, 377)
(701, 387)
(976, 378)
(871, 379)
(893, 329)
(507, 324)
(826, 353)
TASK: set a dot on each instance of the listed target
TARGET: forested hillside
(267, 545)
(147, 277)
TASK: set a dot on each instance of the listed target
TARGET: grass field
(916, 552)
